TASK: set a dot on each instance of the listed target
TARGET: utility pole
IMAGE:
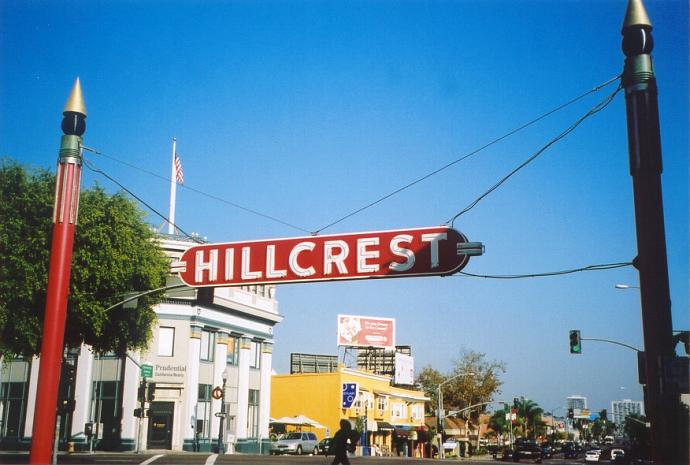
(67, 183)
(662, 397)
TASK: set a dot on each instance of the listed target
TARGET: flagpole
(173, 190)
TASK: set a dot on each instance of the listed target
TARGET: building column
(82, 393)
(31, 397)
(220, 363)
(265, 389)
(243, 388)
(191, 395)
(129, 401)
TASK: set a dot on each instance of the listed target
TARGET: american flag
(179, 175)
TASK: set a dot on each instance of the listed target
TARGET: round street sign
(217, 393)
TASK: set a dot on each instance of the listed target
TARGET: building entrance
(160, 425)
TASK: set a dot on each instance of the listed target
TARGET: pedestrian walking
(344, 441)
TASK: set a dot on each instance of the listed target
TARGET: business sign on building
(429, 251)
(349, 394)
(366, 331)
(404, 369)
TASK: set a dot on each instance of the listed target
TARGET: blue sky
(306, 111)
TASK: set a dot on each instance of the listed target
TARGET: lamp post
(221, 439)
(441, 415)
(67, 184)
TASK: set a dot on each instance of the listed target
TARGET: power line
(596, 109)
(200, 192)
(605, 266)
(468, 155)
(94, 168)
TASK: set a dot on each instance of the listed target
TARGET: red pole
(64, 220)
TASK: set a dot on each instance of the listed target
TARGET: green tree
(115, 253)
(463, 391)
(529, 417)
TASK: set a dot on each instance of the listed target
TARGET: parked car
(570, 451)
(325, 445)
(592, 455)
(546, 451)
(617, 455)
(507, 453)
(527, 450)
(296, 443)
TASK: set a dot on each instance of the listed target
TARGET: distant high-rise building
(576, 402)
(622, 408)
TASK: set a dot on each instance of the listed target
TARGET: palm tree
(530, 414)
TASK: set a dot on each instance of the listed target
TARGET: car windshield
(293, 436)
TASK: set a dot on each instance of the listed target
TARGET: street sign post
(431, 251)
(146, 371)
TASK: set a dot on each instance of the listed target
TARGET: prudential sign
(430, 251)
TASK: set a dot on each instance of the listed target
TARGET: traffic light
(575, 345)
(151, 392)
(571, 413)
(67, 376)
(141, 393)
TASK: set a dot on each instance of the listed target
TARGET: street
(214, 459)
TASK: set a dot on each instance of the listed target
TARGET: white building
(622, 408)
(576, 402)
(201, 337)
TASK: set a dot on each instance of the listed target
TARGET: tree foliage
(463, 391)
(114, 254)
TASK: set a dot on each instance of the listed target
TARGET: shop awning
(384, 426)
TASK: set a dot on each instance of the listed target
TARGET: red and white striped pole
(65, 210)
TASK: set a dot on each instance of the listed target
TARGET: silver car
(296, 443)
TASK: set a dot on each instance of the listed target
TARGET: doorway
(160, 425)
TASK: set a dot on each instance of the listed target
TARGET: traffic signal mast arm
(611, 342)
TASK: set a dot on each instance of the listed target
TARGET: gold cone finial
(75, 102)
(636, 15)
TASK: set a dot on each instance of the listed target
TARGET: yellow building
(394, 415)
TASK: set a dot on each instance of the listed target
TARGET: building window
(106, 410)
(382, 404)
(398, 410)
(208, 345)
(203, 412)
(418, 412)
(255, 355)
(12, 409)
(233, 350)
(166, 341)
(253, 414)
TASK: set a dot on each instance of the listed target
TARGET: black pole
(662, 399)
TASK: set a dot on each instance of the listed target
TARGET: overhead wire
(594, 110)
(95, 169)
(200, 192)
(605, 266)
(468, 155)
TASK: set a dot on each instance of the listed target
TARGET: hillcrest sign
(432, 251)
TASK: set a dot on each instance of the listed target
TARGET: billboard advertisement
(366, 331)
(404, 369)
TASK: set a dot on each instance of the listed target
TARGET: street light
(626, 286)
(441, 415)
(221, 439)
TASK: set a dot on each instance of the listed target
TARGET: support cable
(596, 109)
(605, 266)
(95, 169)
(468, 155)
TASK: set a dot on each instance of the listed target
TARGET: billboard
(366, 331)
(404, 369)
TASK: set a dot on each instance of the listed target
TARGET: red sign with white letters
(380, 254)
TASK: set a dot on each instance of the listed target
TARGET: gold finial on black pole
(669, 434)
